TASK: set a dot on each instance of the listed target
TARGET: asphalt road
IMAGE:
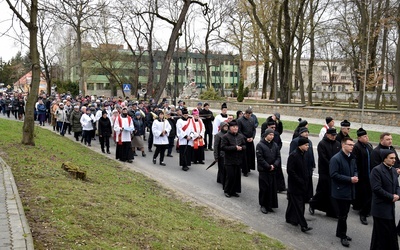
(200, 185)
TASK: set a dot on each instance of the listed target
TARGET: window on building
(324, 78)
(344, 69)
(324, 68)
(334, 68)
(90, 86)
(343, 78)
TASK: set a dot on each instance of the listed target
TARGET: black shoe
(246, 175)
(163, 164)
(150, 150)
(201, 162)
(154, 161)
(311, 210)
(129, 161)
(143, 154)
(108, 152)
(170, 156)
(305, 229)
(134, 154)
(345, 242)
(205, 149)
(270, 210)
(235, 195)
(211, 149)
(263, 210)
(185, 168)
(227, 195)
(103, 151)
(363, 220)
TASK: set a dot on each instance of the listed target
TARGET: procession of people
(351, 172)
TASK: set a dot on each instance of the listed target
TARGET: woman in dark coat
(105, 131)
(74, 119)
(268, 160)
(298, 177)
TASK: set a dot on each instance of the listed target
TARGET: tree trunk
(397, 63)
(265, 80)
(312, 54)
(170, 51)
(29, 123)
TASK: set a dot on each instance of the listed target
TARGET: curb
(21, 236)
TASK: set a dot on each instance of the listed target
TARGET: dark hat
(361, 132)
(277, 115)
(345, 123)
(270, 122)
(267, 132)
(180, 101)
(233, 123)
(137, 113)
(223, 106)
(185, 112)
(103, 112)
(160, 112)
(302, 130)
(199, 103)
(331, 131)
(385, 152)
(302, 123)
(328, 119)
(206, 104)
(302, 141)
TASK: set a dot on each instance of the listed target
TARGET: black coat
(341, 169)
(172, 122)
(298, 174)
(246, 127)
(309, 155)
(207, 116)
(376, 156)
(384, 184)
(104, 127)
(267, 154)
(139, 125)
(340, 136)
(326, 149)
(364, 166)
(228, 144)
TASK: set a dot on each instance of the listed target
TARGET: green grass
(114, 209)
(315, 128)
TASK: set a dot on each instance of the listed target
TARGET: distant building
(121, 63)
(23, 85)
(332, 75)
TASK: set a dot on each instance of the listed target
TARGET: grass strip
(115, 208)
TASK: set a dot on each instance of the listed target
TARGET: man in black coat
(362, 151)
(343, 171)
(248, 130)
(207, 116)
(309, 156)
(344, 131)
(268, 160)
(385, 142)
(298, 181)
(385, 192)
(326, 148)
(234, 146)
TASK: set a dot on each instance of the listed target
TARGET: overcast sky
(8, 48)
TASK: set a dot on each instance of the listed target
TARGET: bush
(234, 92)
(240, 96)
(246, 92)
(210, 94)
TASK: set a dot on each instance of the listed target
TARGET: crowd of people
(351, 172)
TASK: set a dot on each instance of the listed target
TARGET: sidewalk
(15, 233)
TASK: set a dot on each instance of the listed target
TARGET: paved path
(14, 229)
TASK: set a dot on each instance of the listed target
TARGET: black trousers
(295, 210)
(342, 208)
(160, 149)
(208, 143)
(150, 140)
(104, 140)
(232, 179)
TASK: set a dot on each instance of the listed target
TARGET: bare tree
(76, 15)
(288, 22)
(31, 24)
(177, 25)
